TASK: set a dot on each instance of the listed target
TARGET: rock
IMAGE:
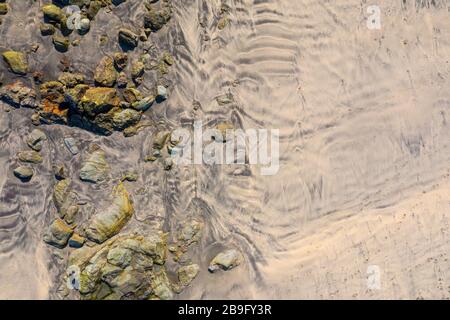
(73, 96)
(60, 172)
(61, 43)
(118, 2)
(131, 95)
(119, 257)
(168, 164)
(161, 286)
(24, 173)
(187, 273)
(105, 73)
(120, 60)
(47, 29)
(76, 241)
(58, 234)
(128, 39)
(30, 157)
(168, 59)
(71, 145)
(52, 109)
(18, 95)
(126, 118)
(60, 193)
(122, 80)
(137, 69)
(95, 169)
(190, 232)
(130, 176)
(72, 210)
(35, 139)
(161, 94)
(53, 13)
(122, 267)
(99, 100)
(226, 260)
(223, 23)
(3, 8)
(16, 61)
(160, 139)
(85, 25)
(156, 19)
(109, 222)
(144, 104)
(70, 80)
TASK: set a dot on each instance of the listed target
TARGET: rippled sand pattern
(365, 149)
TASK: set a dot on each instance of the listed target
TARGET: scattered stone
(168, 59)
(58, 234)
(226, 260)
(132, 95)
(16, 61)
(223, 23)
(76, 241)
(190, 232)
(47, 29)
(95, 169)
(71, 80)
(128, 39)
(60, 172)
(61, 44)
(24, 173)
(18, 95)
(85, 25)
(71, 145)
(161, 94)
(109, 222)
(53, 13)
(3, 8)
(35, 139)
(123, 268)
(130, 176)
(99, 100)
(105, 73)
(29, 157)
(122, 80)
(155, 19)
(120, 60)
(187, 273)
(137, 70)
(144, 104)
(168, 164)
(126, 118)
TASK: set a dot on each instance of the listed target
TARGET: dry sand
(365, 150)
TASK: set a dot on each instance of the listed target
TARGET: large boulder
(95, 169)
(226, 260)
(58, 234)
(108, 223)
(105, 73)
(99, 100)
(16, 61)
(18, 95)
(124, 267)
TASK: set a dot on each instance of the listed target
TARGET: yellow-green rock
(109, 222)
(53, 13)
(16, 61)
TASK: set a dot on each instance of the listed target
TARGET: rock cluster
(124, 267)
